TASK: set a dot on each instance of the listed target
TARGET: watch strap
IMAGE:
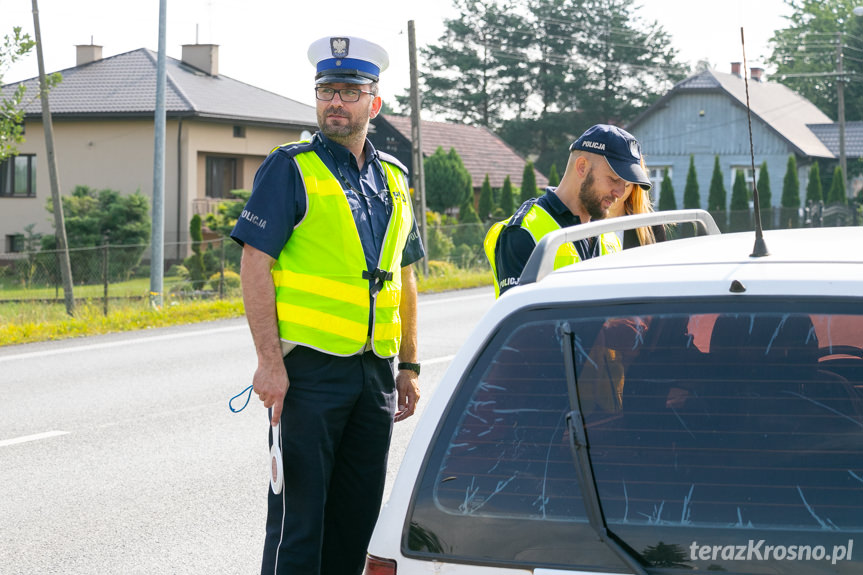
(415, 367)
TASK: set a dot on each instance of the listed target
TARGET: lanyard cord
(248, 397)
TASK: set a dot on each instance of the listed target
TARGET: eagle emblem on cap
(633, 149)
(339, 47)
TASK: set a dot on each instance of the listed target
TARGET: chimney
(735, 69)
(204, 57)
(756, 74)
(86, 53)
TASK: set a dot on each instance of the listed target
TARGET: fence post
(105, 276)
(222, 272)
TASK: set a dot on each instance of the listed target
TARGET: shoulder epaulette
(293, 148)
(390, 159)
(522, 210)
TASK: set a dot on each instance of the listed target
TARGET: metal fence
(210, 269)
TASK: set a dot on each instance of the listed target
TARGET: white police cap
(347, 59)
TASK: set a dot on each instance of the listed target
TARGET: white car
(679, 407)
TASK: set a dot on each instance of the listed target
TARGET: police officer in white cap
(328, 241)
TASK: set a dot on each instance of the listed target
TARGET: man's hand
(271, 384)
(407, 386)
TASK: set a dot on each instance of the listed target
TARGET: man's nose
(618, 190)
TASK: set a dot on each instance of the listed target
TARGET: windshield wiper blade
(584, 468)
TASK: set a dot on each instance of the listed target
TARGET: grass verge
(34, 322)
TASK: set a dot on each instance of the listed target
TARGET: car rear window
(723, 437)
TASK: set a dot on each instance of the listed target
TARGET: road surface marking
(36, 437)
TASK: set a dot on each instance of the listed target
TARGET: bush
(233, 285)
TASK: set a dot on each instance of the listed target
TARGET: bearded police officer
(328, 241)
(602, 162)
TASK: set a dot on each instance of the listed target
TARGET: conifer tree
(485, 200)
(553, 177)
(666, 194)
(739, 195)
(716, 196)
(764, 196)
(691, 198)
(528, 183)
(814, 191)
(507, 203)
(837, 195)
(791, 185)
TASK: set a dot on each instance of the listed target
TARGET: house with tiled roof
(705, 116)
(482, 152)
(218, 131)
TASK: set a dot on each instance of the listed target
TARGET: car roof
(810, 261)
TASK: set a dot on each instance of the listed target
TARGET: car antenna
(760, 249)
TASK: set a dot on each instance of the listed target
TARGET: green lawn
(40, 321)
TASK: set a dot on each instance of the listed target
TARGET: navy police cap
(619, 147)
(347, 59)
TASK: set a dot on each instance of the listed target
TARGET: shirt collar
(344, 156)
(557, 206)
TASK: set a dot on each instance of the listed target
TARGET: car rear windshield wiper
(584, 468)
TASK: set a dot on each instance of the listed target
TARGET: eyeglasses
(345, 94)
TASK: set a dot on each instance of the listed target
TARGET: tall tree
(14, 47)
(814, 191)
(541, 71)
(716, 196)
(836, 194)
(739, 195)
(528, 183)
(791, 185)
(507, 202)
(553, 176)
(485, 200)
(691, 198)
(465, 65)
(448, 183)
(764, 196)
(805, 52)
(667, 200)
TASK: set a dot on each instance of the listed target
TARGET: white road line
(110, 344)
(36, 437)
(442, 359)
(456, 298)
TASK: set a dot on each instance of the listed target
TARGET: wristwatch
(415, 367)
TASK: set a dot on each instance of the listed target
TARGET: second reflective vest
(539, 222)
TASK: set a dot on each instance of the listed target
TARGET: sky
(264, 42)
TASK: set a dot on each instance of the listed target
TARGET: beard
(346, 129)
(591, 199)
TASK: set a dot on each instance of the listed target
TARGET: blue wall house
(705, 116)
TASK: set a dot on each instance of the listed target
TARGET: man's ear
(582, 166)
(377, 103)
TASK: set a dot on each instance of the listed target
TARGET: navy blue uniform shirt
(515, 244)
(278, 201)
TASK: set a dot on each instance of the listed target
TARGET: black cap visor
(340, 76)
(630, 172)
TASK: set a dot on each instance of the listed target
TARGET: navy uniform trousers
(336, 427)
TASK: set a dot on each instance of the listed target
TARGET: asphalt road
(118, 454)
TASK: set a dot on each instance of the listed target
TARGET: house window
(221, 176)
(14, 243)
(239, 131)
(18, 177)
(657, 173)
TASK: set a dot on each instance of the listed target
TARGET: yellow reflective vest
(539, 222)
(322, 284)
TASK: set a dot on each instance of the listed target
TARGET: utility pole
(157, 241)
(59, 220)
(840, 86)
(416, 142)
